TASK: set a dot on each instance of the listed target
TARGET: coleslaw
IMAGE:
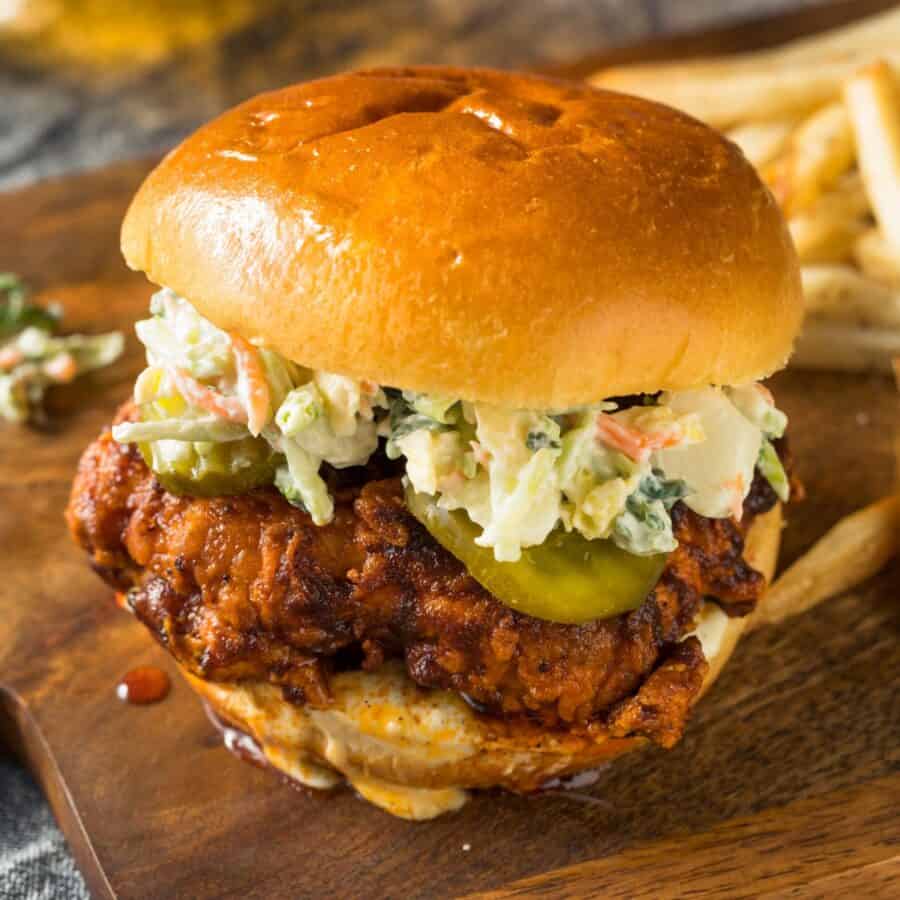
(33, 358)
(211, 402)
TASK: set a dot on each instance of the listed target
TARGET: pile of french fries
(820, 120)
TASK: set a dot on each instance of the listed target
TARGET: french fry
(843, 347)
(830, 230)
(824, 238)
(821, 150)
(841, 293)
(846, 197)
(873, 34)
(727, 91)
(877, 258)
(761, 142)
(855, 549)
(873, 101)
(819, 118)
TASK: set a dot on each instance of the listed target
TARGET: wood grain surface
(787, 781)
(775, 851)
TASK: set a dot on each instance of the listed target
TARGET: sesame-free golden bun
(415, 753)
(494, 236)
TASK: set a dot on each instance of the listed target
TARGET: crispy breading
(247, 587)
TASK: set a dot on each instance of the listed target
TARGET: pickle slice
(218, 470)
(567, 579)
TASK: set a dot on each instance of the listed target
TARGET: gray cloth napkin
(34, 861)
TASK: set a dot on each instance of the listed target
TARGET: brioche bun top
(495, 236)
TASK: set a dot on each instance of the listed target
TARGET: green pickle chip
(214, 470)
(567, 579)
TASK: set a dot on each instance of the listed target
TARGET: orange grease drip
(143, 685)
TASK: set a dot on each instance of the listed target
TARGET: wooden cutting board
(786, 781)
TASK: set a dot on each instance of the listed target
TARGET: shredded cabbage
(755, 403)
(611, 470)
(192, 394)
(300, 483)
(773, 471)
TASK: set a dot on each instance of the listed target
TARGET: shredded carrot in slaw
(368, 389)
(250, 372)
(637, 445)
(255, 413)
(736, 487)
(10, 357)
(480, 453)
(207, 398)
(61, 368)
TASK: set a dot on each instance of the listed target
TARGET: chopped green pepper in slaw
(213, 403)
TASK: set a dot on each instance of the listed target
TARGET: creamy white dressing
(608, 470)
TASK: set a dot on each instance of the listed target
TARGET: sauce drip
(587, 778)
(143, 685)
(238, 742)
(246, 748)
(569, 787)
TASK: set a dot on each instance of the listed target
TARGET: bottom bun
(415, 752)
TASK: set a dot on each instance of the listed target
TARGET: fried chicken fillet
(246, 587)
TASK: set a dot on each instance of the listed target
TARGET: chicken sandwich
(450, 466)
